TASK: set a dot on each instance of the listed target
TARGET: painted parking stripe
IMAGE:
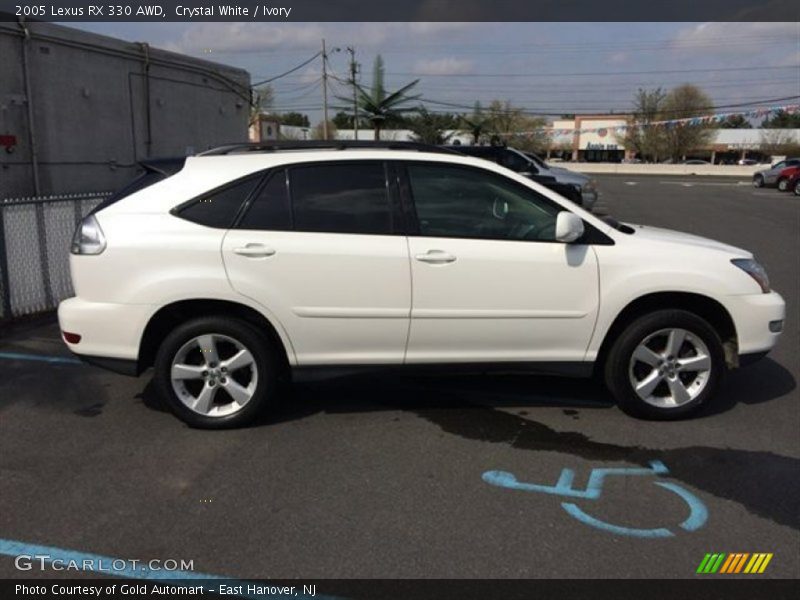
(66, 360)
(131, 570)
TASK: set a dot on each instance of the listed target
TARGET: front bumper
(755, 317)
(589, 197)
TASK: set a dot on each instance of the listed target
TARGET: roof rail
(323, 145)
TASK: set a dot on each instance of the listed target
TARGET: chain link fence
(35, 236)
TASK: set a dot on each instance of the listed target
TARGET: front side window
(453, 201)
(341, 198)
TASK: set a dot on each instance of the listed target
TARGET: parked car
(748, 162)
(782, 180)
(695, 161)
(530, 166)
(252, 264)
(793, 184)
(769, 177)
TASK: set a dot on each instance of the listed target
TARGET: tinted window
(218, 208)
(515, 162)
(459, 202)
(341, 198)
(270, 207)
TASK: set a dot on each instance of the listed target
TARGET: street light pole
(353, 72)
(324, 92)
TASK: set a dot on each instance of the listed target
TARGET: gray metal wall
(100, 104)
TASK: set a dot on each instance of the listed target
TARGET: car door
(489, 282)
(317, 247)
(771, 174)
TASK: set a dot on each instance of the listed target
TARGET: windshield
(537, 160)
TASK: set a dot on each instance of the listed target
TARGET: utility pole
(353, 72)
(324, 92)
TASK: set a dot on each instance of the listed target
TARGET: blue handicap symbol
(698, 513)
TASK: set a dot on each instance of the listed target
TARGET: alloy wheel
(214, 375)
(670, 368)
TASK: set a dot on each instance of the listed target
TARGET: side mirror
(569, 227)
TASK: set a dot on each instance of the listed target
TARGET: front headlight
(755, 270)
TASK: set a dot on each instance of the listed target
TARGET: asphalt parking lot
(383, 477)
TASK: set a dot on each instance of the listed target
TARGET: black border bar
(408, 10)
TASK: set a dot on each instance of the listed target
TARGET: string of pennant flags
(700, 120)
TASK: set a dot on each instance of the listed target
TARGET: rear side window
(341, 198)
(270, 208)
(219, 207)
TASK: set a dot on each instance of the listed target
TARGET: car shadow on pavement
(762, 382)
(470, 406)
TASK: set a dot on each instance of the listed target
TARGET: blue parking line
(66, 360)
(129, 569)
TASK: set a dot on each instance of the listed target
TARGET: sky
(546, 68)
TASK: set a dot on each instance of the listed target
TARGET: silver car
(769, 177)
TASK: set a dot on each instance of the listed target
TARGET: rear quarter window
(219, 207)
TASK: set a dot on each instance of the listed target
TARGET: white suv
(248, 263)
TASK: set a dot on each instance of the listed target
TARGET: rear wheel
(797, 188)
(758, 181)
(216, 372)
(665, 365)
(783, 184)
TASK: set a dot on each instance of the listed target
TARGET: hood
(657, 234)
(566, 176)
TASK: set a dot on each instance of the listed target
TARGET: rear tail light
(71, 338)
(88, 238)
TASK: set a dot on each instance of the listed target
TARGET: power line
(535, 112)
(596, 73)
(300, 66)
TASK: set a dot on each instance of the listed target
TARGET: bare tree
(262, 99)
(682, 102)
(514, 127)
(318, 133)
(779, 143)
(642, 137)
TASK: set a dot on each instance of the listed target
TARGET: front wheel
(797, 188)
(216, 372)
(758, 181)
(665, 365)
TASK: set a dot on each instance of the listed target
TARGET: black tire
(264, 360)
(797, 188)
(783, 184)
(758, 181)
(617, 367)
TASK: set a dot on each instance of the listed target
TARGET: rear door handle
(254, 251)
(436, 257)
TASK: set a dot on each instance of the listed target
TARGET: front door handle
(436, 257)
(254, 251)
